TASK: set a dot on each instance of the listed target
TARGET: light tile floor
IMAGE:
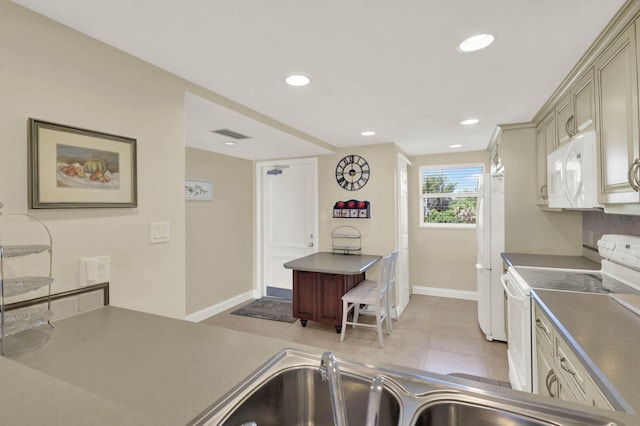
(433, 334)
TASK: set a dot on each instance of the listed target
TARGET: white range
(620, 273)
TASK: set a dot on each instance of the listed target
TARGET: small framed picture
(198, 189)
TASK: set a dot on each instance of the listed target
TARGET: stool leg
(379, 326)
(345, 312)
(356, 313)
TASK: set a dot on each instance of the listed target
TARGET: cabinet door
(541, 154)
(584, 104)
(550, 134)
(545, 143)
(304, 295)
(330, 289)
(616, 81)
(546, 376)
(564, 118)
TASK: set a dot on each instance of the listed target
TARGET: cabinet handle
(567, 128)
(565, 367)
(542, 327)
(632, 174)
(551, 378)
(543, 192)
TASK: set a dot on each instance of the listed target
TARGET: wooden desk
(319, 282)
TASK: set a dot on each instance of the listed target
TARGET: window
(449, 194)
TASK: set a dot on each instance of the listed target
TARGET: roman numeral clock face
(352, 172)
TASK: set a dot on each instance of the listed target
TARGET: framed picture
(71, 167)
(198, 189)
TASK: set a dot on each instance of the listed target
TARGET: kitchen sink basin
(299, 397)
(288, 390)
(454, 412)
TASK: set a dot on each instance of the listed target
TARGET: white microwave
(572, 178)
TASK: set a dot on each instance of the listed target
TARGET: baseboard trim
(212, 310)
(445, 292)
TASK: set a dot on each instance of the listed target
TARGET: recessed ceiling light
(297, 80)
(477, 42)
(455, 146)
(230, 143)
(469, 121)
(368, 133)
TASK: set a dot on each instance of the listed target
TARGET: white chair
(391, 288)
(371, 294)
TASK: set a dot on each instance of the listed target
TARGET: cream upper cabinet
(575, 112)
(564, 117)
(584, 104)
(541, 154)
(545, 144)
(616, 83)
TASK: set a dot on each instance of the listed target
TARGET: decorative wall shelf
(352, 209)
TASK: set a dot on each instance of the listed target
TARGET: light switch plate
(159, 232)
(95, 270)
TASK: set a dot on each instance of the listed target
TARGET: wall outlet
(159, 232)
(95, 270)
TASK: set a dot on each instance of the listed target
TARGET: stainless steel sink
(299, 397)
(478, 412)
(288, 390)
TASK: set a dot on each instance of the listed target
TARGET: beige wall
(50, 72)
(219, 233)
(378, 233)
(441, 257)
(528, 228)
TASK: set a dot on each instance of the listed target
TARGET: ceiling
(387, 66)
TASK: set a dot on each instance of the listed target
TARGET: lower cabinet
(317, 296)
(559, 372)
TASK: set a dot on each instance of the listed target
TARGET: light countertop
(604, 333)
(116, 366)
(549, 261)
(329, 263)
(165, 369)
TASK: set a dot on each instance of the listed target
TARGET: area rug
(268, 308)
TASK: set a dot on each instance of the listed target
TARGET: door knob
(310, 244)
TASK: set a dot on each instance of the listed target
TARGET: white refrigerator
(490, 234)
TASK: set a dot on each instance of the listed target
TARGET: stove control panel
(621, 249)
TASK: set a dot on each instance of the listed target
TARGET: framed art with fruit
(70, 167)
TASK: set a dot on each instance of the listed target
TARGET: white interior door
(287, 218)
(403, 288)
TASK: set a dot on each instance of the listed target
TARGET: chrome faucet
(375, 395)
(330, 371)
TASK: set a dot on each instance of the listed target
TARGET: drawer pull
(543, 328)
(550, 380)
(564, 365)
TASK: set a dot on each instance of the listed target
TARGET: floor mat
(268, 308)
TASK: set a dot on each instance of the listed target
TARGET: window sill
(448, 225)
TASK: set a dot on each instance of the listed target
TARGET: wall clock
(352, 172)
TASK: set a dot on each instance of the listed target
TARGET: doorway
(403, 287)
(287, 220)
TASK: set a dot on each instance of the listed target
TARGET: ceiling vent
(231, 134)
